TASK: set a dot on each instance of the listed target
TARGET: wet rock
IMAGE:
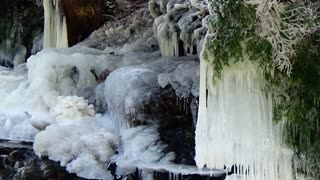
(176, 124)
(20, 23)
(83, 16)
(23, 164)
(124, 27)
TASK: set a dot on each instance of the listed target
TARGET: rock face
(83, 16)
(21, 23)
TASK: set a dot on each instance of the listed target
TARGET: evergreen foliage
(232, 26)
(234, 36)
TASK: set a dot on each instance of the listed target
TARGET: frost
(178, 25)
(284, 26)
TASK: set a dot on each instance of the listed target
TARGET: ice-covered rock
(115, 34)
(136, 90)
(184, 79)
(178, 25)
(74, 142)
(127, 89)
(140, 145)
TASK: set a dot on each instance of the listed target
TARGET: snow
(235, 125)
(284, 27)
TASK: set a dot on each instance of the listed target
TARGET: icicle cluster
(235, 126)
(55, 26)
(284, 26)
(178, 25)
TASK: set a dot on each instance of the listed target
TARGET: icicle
(235, 125)
(55, 26)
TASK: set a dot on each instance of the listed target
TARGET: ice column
(55, 26)
(235, 127)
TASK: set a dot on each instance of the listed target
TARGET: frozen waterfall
(52, 100)
(235, 127)
(55, 25)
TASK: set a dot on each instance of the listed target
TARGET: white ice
(55, 25)
(42, 103)
(235, 126)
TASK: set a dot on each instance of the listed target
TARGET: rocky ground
(18, 162)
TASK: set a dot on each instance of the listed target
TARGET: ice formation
(184, 79)
(12, 56)
(235, 126)
(134, 86)
(62, 73)
(141, 145)
(82, 146)
(42, 103)
(57, 94)
(14, 124)
(178, 25)
(73, 107)
(55, 25)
